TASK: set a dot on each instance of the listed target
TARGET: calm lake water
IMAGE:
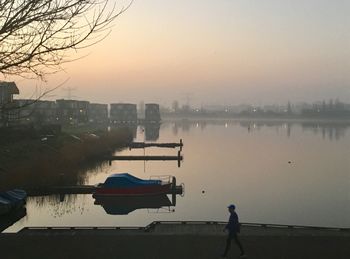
(275, 172)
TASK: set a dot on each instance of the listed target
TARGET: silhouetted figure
(233, 229)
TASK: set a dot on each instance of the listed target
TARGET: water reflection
(132, 127)
(152, 131)
(331, 130)
(125, 205)
(245, 162)
(44, 173)
(58, 207)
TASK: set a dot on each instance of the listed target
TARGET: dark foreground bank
(35, 160)
(175, 241)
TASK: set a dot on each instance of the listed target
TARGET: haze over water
(275, 172)
(226, 51)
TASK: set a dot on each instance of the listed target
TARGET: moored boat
(128, 185)
(11, 200)
(5, 206)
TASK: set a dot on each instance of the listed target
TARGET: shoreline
(200, 241)
(59, 159)
(257, 119)
(191, 227)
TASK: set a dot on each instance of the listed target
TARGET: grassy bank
(51, 160)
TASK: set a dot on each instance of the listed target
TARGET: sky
(214, 52)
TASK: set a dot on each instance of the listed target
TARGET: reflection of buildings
(289, 129)
(125, 205)
(186, 125)
(152, 131)
(328, 130)
(175, 130)
(132, 127)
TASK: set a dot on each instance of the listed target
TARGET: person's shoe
(243, 256)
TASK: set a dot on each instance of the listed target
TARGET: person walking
(233, 229)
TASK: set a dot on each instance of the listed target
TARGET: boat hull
(5, 206)
(134, 191)
(12, 200)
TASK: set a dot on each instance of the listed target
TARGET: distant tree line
(326, 109)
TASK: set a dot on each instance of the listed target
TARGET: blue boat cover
(127, 180)
(14, 195)
(13, 199)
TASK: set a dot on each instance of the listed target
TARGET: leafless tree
(36, 35)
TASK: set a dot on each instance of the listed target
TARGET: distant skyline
(224, 52)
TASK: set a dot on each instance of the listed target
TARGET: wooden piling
(179, 157)
(160, 145)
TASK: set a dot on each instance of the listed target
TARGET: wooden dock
(11, 218)
(160, 145)
(61, 190)
(177, 158)
(80, 189)
(146, 158)
(174, 240)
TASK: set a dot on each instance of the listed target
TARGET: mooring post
(173, 199)
(62, 197)
(110, 162)
(173, 192)
(173, 184)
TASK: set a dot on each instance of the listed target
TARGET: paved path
(175, 241)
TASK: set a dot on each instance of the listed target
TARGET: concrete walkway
(175, 241)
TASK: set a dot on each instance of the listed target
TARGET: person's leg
(228, 245)
(239, 243)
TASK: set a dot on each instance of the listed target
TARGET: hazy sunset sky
(216, 51)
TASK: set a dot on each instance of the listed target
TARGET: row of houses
(7, 90)
(72, 112)
(127, 113)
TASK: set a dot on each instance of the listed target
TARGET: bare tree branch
(35, 35)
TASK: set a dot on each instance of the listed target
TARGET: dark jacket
(233, 223)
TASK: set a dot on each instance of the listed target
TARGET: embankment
(192, 241)
(38, 160)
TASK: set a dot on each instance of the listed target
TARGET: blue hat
(231, 206)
